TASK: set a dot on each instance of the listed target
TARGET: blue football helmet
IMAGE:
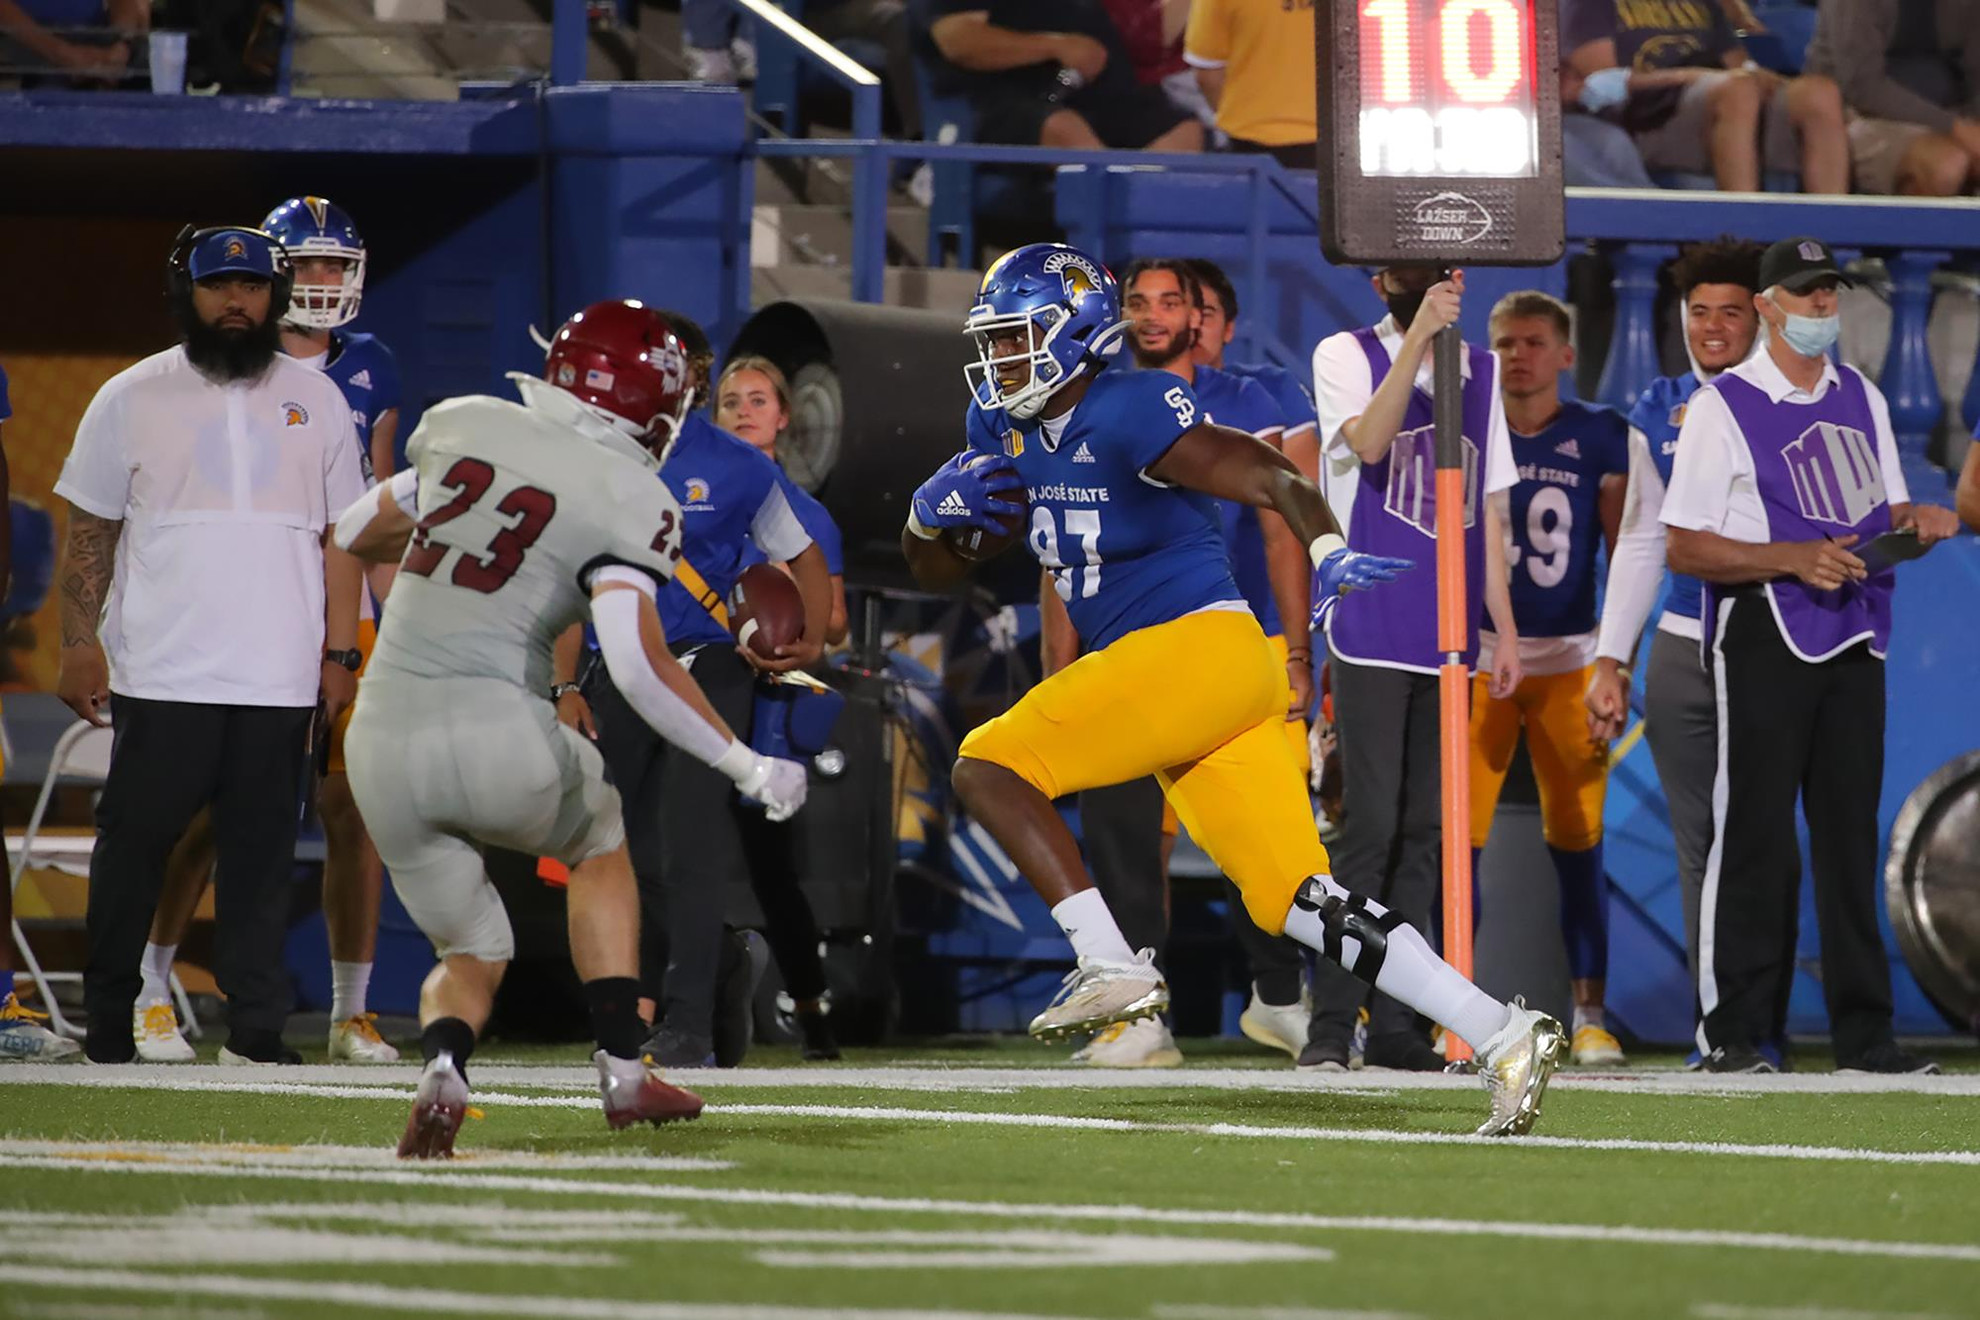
(1070, 310)
(318, 227)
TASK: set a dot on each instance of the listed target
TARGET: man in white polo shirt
(198, 593)
(1786, 477)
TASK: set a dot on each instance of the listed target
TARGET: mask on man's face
(1403, 306)
(1810, 336)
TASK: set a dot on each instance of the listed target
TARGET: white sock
(348, 983)
(1588, 1015)
(1411, 971)
(156, 969)
(1090, 926)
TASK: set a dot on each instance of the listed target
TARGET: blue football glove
(963, 493)
(1350, 570)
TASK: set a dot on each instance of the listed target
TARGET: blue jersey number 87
(1081, 524)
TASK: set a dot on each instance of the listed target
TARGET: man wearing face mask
(1377, 453)
(1716, 282)
(1786, 474)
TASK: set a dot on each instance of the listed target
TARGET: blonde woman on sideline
(753, 401)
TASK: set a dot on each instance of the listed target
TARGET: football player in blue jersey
(1120, 471)
(1573, 462)
(329, 258)
(1213, 340)
(1715, 282)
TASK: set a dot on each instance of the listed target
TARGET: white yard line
(430, 1301)
(1721, 1311)
(959, 1078)
(344, 1157)
(1113, 1213)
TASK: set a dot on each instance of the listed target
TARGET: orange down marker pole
(1454, 677)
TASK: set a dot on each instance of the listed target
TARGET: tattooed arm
(84, 682)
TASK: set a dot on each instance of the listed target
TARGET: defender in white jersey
(515, 522)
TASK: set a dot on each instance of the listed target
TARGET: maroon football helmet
(622, 357)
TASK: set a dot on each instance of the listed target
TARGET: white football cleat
(1278, 1026)
(23, 1037)
(1515, 1065)
(1098, 994)
(440, 1106)
(356, 1040)
(159, 1040)
(1143, 1043)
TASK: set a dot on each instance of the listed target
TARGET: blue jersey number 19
(1547, 549)
(1081, 523)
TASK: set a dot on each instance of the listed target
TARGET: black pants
(1391, 845)
(691, 837)
(168, 759)
(1793, 729)
(1292, 155)
(1122, 826)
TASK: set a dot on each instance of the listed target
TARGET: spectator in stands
(721, 48)
(1676, 76)
(1050, 73)
(1255, 65)
(1595, 153)
(1376, 435)
(200, 487)
(1152, 31)
(82, 42)
(1786, 468)
(1910, 76)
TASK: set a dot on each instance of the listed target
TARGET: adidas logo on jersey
(1568, 448)
(953, 503)
(362, 381)
(1083, 454)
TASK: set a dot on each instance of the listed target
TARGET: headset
(178, 275)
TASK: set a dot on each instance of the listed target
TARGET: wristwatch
(557, 690)
(350, 659)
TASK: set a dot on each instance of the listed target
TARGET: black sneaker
(679, 1049)
(1405, 1052)
(820, 1045)
(1889, 1059)
(1738, 1059)
(1323, 1056)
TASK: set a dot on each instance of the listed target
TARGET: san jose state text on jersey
(1556, 517)
(1125, 551)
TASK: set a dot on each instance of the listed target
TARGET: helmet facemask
(327, 306)
(1044, 376)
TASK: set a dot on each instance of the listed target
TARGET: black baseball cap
(1797, 263)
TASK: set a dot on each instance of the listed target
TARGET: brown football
(765, 610)
(977, 543)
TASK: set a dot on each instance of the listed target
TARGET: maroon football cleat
(439, 1108)
(634, 1092)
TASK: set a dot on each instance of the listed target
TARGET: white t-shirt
(223, 492)
(1712, 480)
(521, 505)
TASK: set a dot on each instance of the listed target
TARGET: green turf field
(977, 1182)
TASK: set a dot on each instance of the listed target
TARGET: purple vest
(1395, 513)
(1815, 466)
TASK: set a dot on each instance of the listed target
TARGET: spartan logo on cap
(1810, 250)
(1835, 474)
(1079, 275)
(235, 248)
(1412, 492)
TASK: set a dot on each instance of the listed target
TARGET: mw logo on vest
(1412, 493)
(1835, 474)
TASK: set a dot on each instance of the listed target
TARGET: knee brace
(1345, 916)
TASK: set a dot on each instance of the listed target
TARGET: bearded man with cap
(197, 591)
(1786, 473)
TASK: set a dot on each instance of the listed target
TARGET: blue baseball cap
(234, 252)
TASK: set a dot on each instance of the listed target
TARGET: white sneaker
(1144, 1043)
(1515, 1065)
(1596, 1047)
(356, 1040)
(1278, 1026)
(23, 1037)
(159, 1040)
(1098, 994)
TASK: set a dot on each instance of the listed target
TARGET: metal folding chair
(81, 756)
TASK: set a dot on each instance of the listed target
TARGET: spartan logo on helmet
(1077, 274)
